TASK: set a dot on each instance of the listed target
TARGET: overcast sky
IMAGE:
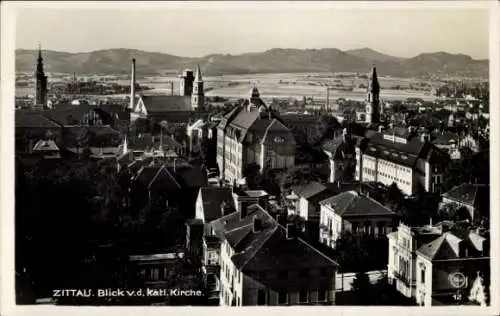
(197, 31)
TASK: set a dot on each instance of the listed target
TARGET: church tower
(41, 82)
(198, 97)
(373, 109)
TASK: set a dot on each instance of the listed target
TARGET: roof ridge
(267, 237)
(168, 174)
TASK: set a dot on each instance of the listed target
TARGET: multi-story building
(403, 243)
(252, 133)
(396, 156)
(447, 267)
(357, 214)
(264, 263)
(341, 156)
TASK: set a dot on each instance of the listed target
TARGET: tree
(326, 127)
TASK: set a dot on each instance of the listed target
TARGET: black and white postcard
(316, 156)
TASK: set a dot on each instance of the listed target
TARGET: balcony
(404, 279)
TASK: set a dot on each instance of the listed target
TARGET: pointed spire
(198, 73)
(374, 85)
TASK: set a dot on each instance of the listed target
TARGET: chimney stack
(132, 86)
(171, 88)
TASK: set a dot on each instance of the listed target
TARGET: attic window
(372, 149)
(386, 152)
(404, 157)
(279, 139)
(394, 154)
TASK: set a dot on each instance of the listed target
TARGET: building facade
(408, 161)
(264, 263)
(357, 214)
(253, 134)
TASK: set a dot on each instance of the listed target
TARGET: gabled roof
(311, 191)
(350, 203)
(277, 129)
(157, 178)
(268, 248)
(45, 145)
(470, 194)
(166, 103)
(212, 198)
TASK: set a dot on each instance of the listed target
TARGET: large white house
(396, 156)
(355, 213)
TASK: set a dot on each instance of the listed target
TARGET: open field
(283, 85)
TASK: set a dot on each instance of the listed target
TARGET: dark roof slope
(474, 195)
(212, 198)
(350, 203)
(166, 103)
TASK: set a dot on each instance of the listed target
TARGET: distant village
(252, 201)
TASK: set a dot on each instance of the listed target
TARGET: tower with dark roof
(41, 81)
(186, 83)
(198, 96)
(373, 108)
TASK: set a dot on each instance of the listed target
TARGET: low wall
(343, 281)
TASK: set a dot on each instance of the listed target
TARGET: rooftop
(350, 203)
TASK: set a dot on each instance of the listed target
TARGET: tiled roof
(339, 148)
(442, 247)
(309, 190)
(157, 178)
(277, 129)
(32, 119)
(212, 198)
(445, 139)
(148, 141)
(406, 154)
(191, 176)
(92, 136)
(166, 103)
(232, 221)
(350, 203)
(470, 194)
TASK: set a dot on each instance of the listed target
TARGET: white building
(253, 134)
(354, 213)
(397, 157)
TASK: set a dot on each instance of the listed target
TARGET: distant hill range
(277, 60)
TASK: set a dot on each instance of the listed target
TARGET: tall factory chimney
(171, 88)
(132, 86)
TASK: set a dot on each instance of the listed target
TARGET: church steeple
(41, 81)
(373, 109)
(198, 96)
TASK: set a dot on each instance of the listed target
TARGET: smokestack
(132, 86)
(327, 98)
(171, 88)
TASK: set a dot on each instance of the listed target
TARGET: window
(238, 300)
(261, 297)
(303, 296)
(422, 275)
(282, 298)
(322, 294)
